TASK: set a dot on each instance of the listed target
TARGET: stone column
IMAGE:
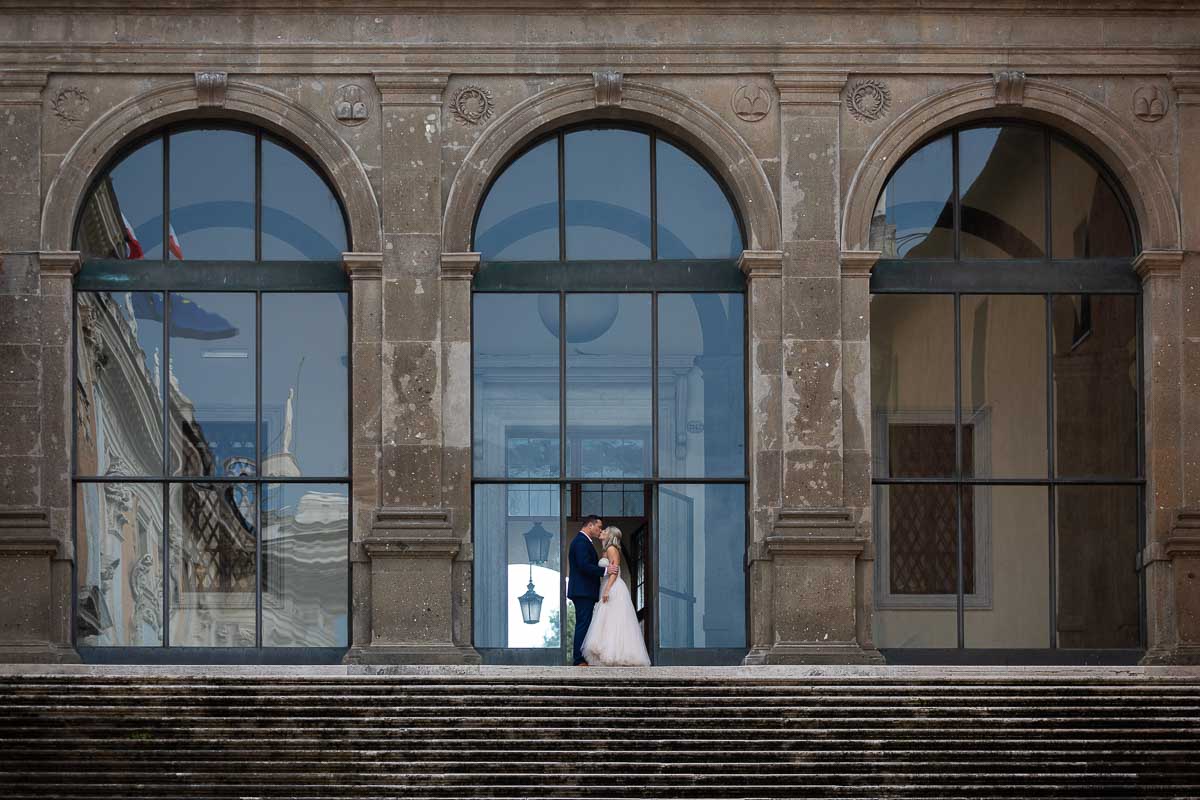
(816, 543)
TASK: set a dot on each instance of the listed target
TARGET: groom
(583, 588)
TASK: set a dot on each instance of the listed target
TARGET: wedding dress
(615, 636)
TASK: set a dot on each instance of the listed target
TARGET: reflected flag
(133, 248)
(173, 244)
(188, 320)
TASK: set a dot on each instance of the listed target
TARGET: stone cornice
(756, 264)
(1158, 264)
(411, 533)
(363, 266)
(59, 263)
(22, 88)
(858, 263)
(411, 88)
(810, 88)
(1187, 87)
(459, 266)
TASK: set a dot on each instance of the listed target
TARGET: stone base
(38, 654)
(412, 654)
(812, 654)
(1187, 655)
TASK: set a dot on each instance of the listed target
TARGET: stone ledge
(417, 654)
(26, 531)
(411, 533)
(38, 653)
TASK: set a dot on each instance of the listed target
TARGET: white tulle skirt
(614, 639)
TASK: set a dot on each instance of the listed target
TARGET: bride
(615, 636)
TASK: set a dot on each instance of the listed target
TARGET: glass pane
(123, 215)
(212, 383)
(916, 531)
(301, 218)
(701, 385)
(1004, 384)
(1087, 218)
(1097, 537)
(305, 540)
(701, 578)
(1095, 385)
(1002, 175)
(212, 195)
(516, 377)
(912, 385)
(514, 549)
(608, 385)
(518, 220)
(914, 217)
(695, 219)
(119, 565)
(1012, 523)
(213, 564)
(305, 423)
(118, 383)
(608, 194)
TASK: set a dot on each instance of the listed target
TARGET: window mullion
(958, 471)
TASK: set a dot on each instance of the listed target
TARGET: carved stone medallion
(350, 105)
(751, 102)
(868, 100)
(71, 105)
(471, 105)
(1149, 103)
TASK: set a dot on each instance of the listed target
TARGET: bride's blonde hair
(613, 534)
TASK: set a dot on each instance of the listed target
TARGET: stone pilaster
(1159, 271)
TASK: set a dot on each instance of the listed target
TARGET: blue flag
(188, 320)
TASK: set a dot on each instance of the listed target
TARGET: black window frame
(243, 276)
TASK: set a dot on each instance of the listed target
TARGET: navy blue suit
(583, 587)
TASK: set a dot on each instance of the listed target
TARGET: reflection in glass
(607, 194)
(1095, 385)
(1004, 383)
(917, 582)
(701, 391)
(1002, 179)
(912, 385)
(119, 383)
(1019, 616)
(305, 536)
(503, 571)
(119, 566)
(914, 217)
(122, 217)
(1088, 219)
(516, 377)
(304, 384)
(518, 220)
(608, 385)
(613, 499)
(212, 194)
(212, 383)
(700, 555)
(213, 546)
(695, 219)
(301, 218)
(1097, 538)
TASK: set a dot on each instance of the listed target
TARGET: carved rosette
(1150, 103)
(472, 105)
(751, 102)
(350, 105)
(868, 100)
(71, 105)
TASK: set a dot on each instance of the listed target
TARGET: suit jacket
(586, 572)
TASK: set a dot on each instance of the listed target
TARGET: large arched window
(1006, 390)
(609, 379)
(212, 415)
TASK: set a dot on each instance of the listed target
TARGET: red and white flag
(133, 248)
(173, 244)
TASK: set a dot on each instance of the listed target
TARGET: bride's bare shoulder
(614, 555)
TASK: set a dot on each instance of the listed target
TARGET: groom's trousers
(583, 621)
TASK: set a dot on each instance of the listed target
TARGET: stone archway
(674, 113)
(1062, 108)
(242, 100)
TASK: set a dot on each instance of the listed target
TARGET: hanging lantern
(537, 543)
(531, 605)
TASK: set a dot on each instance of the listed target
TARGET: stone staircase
(509, 733)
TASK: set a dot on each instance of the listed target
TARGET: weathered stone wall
(802, 109)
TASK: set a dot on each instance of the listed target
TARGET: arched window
(212, 415)
(1006, 389)
(609, 379)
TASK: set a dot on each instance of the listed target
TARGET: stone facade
(802, 109)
